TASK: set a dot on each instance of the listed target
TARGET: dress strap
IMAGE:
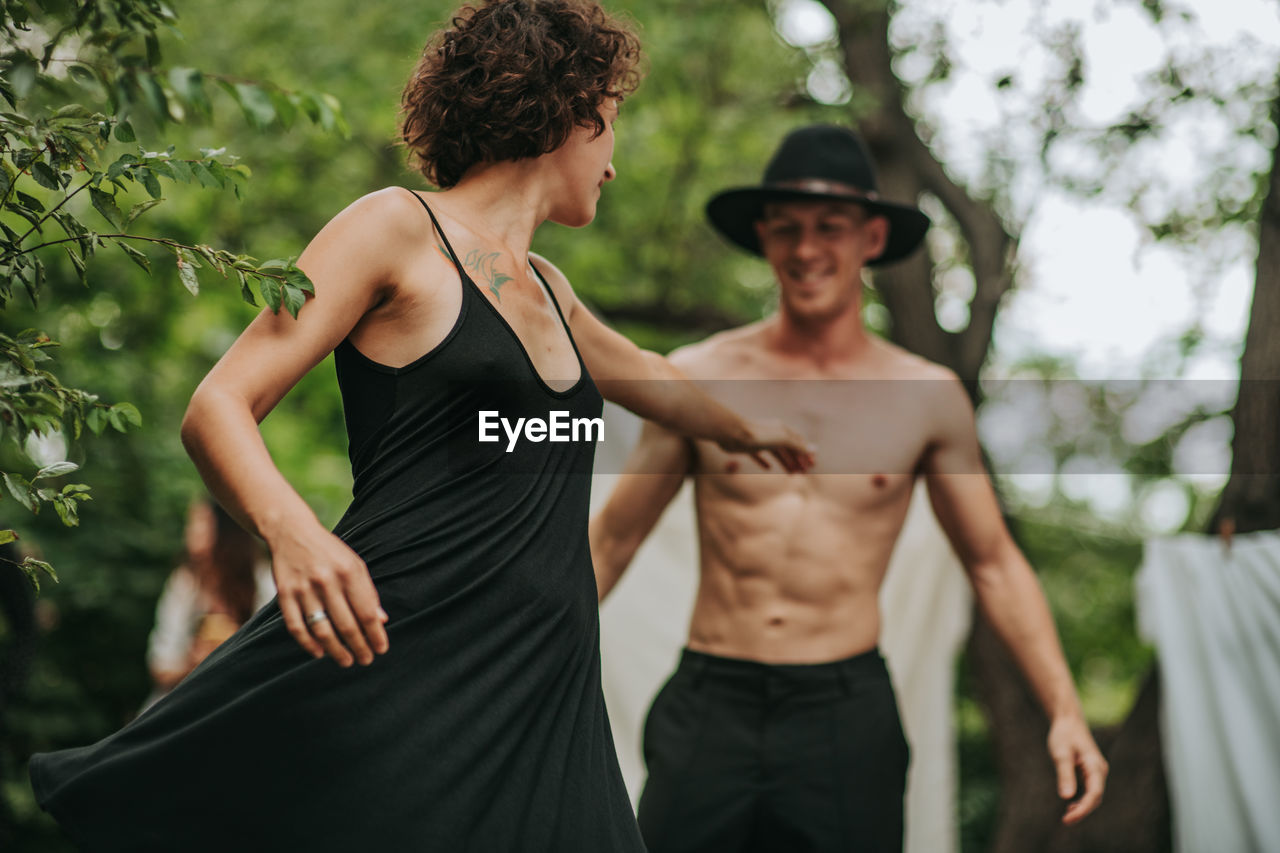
(453, 256)
(556, 302)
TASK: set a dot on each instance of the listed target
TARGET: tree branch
(907, 164)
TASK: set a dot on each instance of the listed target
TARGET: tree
(1138, 818)
(57, 149)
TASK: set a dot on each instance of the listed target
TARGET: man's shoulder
(895, 362)
(721, 354)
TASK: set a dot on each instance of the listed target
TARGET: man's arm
(1009, 593)
(651, 478)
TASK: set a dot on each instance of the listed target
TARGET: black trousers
(746, 757)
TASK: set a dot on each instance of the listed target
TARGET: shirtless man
(779, 730)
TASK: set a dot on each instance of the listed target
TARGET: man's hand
(326, 596)
(783, 443)
(1071, 746)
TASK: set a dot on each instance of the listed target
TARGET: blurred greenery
(707, 117)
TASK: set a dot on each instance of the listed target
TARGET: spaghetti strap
(556, 302)
(453, 256)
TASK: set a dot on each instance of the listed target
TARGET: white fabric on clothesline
(1213, 615)
(925, 607)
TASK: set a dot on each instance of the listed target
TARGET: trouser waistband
(758, 678)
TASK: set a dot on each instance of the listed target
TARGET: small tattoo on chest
(483, 266)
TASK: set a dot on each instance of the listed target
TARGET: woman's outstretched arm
(655, 389)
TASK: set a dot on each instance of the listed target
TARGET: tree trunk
(1251, 499)
(1135, 818)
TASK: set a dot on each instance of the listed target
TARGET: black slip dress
(482, 729)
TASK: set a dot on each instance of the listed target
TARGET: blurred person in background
(224, 580)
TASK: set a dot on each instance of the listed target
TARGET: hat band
(824, 187)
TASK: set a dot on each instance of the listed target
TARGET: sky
(1107, 322)
(1097, 290)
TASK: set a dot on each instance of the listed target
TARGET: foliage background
(723, 87)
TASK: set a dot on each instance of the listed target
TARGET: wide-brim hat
(817, 162)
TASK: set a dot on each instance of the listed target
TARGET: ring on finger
(316, 616)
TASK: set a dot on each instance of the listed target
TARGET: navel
(879, 481)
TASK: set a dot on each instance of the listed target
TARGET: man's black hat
(817, 162)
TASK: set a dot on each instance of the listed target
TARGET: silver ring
(316, 616)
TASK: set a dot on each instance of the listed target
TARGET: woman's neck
(500, 203)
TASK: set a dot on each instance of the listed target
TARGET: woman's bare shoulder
(388, 214)
(556, 279)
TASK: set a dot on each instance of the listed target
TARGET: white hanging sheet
(1213, 615)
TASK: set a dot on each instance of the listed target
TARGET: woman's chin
(579, 218)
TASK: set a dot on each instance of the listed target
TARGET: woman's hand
(326, 596)
(761, 440)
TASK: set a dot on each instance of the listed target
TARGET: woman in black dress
(460, 578)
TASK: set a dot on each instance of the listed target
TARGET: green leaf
(139, 209)
(124, 132)
(219, 174)
(150, 182)
(272, 293)
(105, 204)
(203, 175)
(97, 419)
(181, 171)
(7, 536)
(45, 175)
(66, 511)
(136, 256)
(246, 292)
(187, 272)
(30, 202)
(78, 489)
(154, 95)
(31, 564)
(286, 109)
(189, 85)
(298, 279)
(153, 49)
(21, 491)
(309, 105)
(57, 469)
(162, 169)
(294, 299)
(78, 262)
(256, 105)
(82, 74)
(129, 412)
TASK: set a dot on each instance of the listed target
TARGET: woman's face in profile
(584, 166)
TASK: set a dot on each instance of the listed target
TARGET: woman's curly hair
(510, 79)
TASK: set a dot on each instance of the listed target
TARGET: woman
(462, 565)
(221, 583)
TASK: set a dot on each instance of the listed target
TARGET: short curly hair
(510, 79)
